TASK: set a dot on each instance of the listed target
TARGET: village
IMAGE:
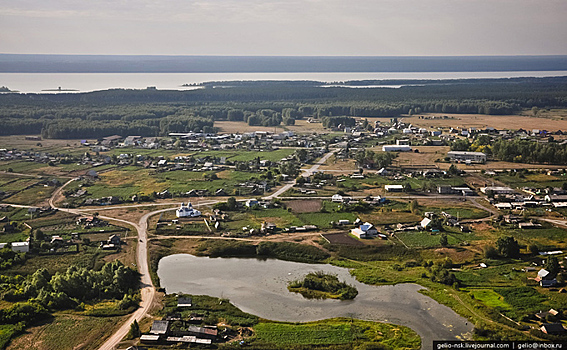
(440, 195)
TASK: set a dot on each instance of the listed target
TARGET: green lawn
(490, 298)
(531, 180)
(337, 331)
(19, 166)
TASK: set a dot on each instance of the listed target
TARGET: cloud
(311, 27)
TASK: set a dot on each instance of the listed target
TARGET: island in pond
(321, 285)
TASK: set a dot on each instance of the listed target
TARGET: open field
(551, 121)
(337, 331)
(57, 334)
(19, 141)
(301, 126)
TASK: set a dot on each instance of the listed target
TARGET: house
(553, 328)
(394, 188)
(461, 156)
(159, 327)
(543, 315)
(496, 190)
(220, 192)
(251, 202)
(366, 230)
(425, 223)
(114, 239)
(337, 198)
(21, 247)
(187, 211)
(268, 227)
(555, 198)
(184, 302)
(92, 174)
(205, 332)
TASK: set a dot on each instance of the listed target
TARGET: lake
(259, 287)
(84, 82)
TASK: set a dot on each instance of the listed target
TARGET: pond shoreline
(259, 287)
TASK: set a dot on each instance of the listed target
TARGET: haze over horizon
(285, 28)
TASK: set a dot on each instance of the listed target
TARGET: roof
(465, 153)
(543, 273)
(159, 327)
(148, 337)
(184, 302)
(394, 187)
(425, 222)
(553, 327)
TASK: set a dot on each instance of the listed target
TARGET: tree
(453, 170)
(443, 240)
(413, 206)
(534, 249)
(552, 265)
(490, 252)
(38, 235)
(231, 203)
(134, 330)
(508, 247)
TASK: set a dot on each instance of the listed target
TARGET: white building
(394, 188)
(337, 198)
(187, 211)
(21, 247)
(461, 156)
(496, 190)
(366, 230)
(396, 148)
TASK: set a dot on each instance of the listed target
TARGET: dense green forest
(158, 112)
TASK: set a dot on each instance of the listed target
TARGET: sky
(285, 27)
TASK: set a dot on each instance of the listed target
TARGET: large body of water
(84, 82)
(260, 288)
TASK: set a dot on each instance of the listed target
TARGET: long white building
(462, 156)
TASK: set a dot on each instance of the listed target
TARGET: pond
(259, 287)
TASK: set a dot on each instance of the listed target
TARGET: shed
(149, 338)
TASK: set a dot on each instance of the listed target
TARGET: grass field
(490, 298)
(62, 333)
(32, 196)
(23, 167)
(552, 123)
(531, 180)
(337, 331)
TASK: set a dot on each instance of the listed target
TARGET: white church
(187, 211)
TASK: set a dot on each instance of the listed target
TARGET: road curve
(147, 289)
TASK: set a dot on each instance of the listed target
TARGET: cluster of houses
(173, 329)
(506, 198)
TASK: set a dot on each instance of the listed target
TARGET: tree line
(156, 112)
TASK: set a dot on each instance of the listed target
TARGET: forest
(159, 112)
